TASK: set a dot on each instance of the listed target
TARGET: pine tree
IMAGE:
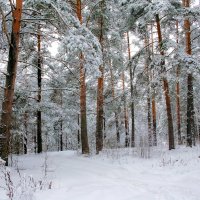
(165, 87)
(6, 116)
(190, 98)
(100, 87)
(39, 113)
(84, 137)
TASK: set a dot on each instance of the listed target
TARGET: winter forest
(99, 99)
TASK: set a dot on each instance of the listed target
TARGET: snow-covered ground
(112, 175)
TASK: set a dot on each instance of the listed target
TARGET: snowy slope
(120, 175)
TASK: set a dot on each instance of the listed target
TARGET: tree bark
(83, 110)
(190, 98)
(147, 71)
(25, 134)
(153, 101)
(99, 125)
(39, 113)
(61, 122)
(165, 87)
(6, 115)
(100, 97)
(78, 133)
(132, 96)
(190, 111)
(113, 96)
(178, 108)
(127, 139)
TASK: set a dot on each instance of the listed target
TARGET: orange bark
(166, 88)
(83, 113)
(100, 97)
(6, 115)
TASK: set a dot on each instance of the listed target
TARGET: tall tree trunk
(100, 97)
(39, 113)
(178, 110)
(99, 125)
(127, 139)
(178, 106)
(132, 96)
(147, 71)
(83, 110)
(153, 101)
(190, 98)
(113, 96)
(165, 87)
(6, 115)
(149, 118)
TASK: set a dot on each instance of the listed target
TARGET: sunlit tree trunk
(165, 87)
(132, 96)
(83, 110)
(6, 115)
(190, 98)
(100, 97)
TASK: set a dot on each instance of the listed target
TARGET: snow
(112, 175)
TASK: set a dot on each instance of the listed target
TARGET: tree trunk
(190, 111)
(153, 102)
(178, 106)
(99, 125)
(190, 98)
(25, 134)
(83, 110)
(178, 110)
(127, 139)
(61, 123)
(78, 133)
(132, 96)
(39, 113)
(147, 71)
(113, 96)
(100, 97)
(61, 135)
(6, 115)
(166, 88)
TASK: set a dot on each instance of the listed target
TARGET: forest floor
(113, 175)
